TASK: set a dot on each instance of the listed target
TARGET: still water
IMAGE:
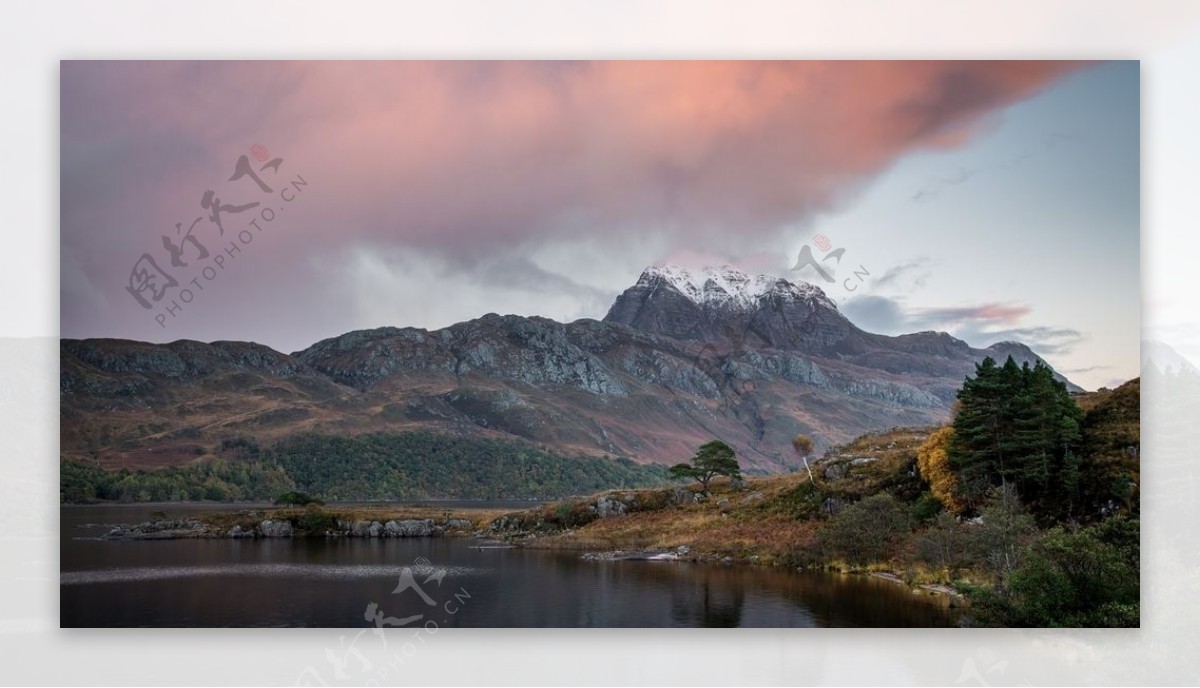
(453, 582)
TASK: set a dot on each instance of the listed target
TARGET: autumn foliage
(933, 460)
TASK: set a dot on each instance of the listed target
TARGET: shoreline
(492, 527)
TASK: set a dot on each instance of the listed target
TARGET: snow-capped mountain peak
(727, 286)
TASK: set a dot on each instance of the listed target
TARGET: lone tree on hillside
(803, 445)
(713, 459)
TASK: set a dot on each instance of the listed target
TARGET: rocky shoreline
(507, 530)
(279, 527)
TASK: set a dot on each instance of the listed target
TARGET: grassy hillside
(768, 520)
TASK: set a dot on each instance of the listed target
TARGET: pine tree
(1017, 425)
(713, 458)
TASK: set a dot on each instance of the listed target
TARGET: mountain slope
(679, 360)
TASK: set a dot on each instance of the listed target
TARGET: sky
(287, 202)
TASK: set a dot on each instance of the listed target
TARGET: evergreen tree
(1017, 425)
(713, 459)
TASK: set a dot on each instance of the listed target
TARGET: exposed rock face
(681, 358)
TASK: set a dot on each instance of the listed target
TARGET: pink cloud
(983, 315)
(467, 160)
(469, 156)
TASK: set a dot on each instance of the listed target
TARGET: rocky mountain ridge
(678, 360)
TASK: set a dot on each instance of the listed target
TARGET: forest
(377, 467)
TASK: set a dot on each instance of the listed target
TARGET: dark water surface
(333, 583)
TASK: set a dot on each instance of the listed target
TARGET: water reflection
(333, 582)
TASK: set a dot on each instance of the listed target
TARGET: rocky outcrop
(410, 528)
(161, 529)
(607, 507)
(275, 529)
(252, 526)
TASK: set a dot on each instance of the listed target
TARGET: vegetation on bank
(221, 480)
(297, 499)
(380, 467)
(1026, 504)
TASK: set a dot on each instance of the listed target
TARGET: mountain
(682, 357)
(725, 305)
(730, 310)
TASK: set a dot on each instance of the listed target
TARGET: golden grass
(740, 524)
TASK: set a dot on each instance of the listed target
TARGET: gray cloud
(1044, 340)
(876, 314)
(907, 275)
(979, 325)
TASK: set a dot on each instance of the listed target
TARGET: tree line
(377, 467)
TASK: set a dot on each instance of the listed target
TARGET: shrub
(1076, 577)
(933, 461)
(316, 520)
(867, 531)
(945, 544)
(925, 508)
(296, 499)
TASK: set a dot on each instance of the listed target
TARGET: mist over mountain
(682, 357)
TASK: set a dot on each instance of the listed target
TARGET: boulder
(755, 496)
(274, 529)
(606, 507)
(680, 496)
(835, 472)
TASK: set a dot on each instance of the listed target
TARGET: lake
(453, 582)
